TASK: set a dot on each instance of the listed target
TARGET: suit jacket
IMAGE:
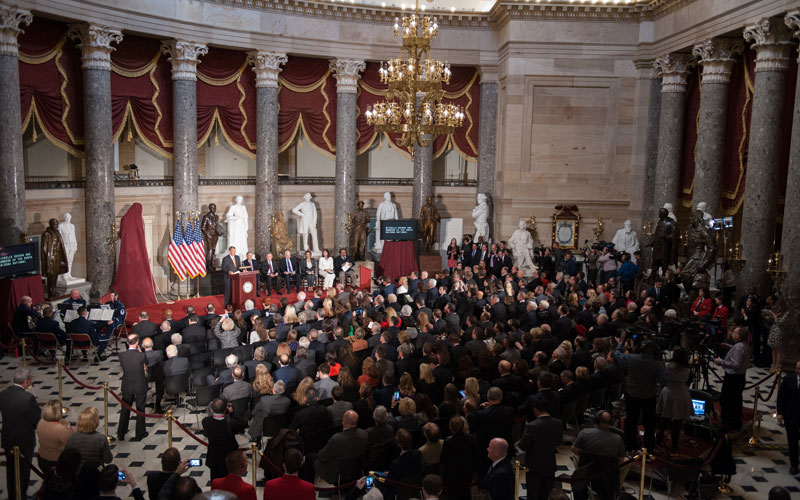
(176, 365)
(251, 264)
(21, 415)
(284, 266)
(460, 454)
(134, 380)
(350, 444)
(194, 333)
(407, 464)
(229, 265)
(789, 400)
(49, 325)
(312, 422)
(338, 262)
(221, 436)
(289, 486)
(337, 410)
(237, 390)
(145, 328)
(81, 325)
(290, 376)
(539, 442)
(562, 328)
(500, 481)
(235, 484)
(494, 421)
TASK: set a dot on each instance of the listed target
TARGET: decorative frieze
(95, 43)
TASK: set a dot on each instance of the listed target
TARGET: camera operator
(591, 263)
(670, 329)
(608, 263)
(735, 365)
(643, 373)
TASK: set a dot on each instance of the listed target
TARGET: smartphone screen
(195, 462)
(369, 482)
(463, 394)
(121, 475)
(396, 395)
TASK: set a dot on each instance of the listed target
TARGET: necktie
(270, 267)
(289, 264)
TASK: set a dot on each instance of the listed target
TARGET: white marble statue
(481, 216)
(236, 218)
(386, 211)
(670, 214)
(707, 217)
(306, 210)
(67, 230)
(625, 240)
(521, 244)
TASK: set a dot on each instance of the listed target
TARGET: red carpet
(179, 306)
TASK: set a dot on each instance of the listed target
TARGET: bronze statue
(280, 235)
(428, 223)
(359, 229)
(53, 256)
(208, 225)
(702, 252)
(665, 242)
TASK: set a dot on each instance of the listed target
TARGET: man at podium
(230, 266)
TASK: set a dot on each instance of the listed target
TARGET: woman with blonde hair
(260, 333)
(300, 393)
(263, 382)
(327, 306)
(406, 386)
(228, 333)
(402, 285)
(92, 445)
(426, 384)
(422, 321)
(390, 313)
(471, 392)
(52, 432)
(290, 315)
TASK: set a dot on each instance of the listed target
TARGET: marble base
(80, 284)
(66, 280)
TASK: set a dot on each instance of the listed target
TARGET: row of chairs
(601, 398)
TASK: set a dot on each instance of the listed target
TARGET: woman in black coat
(459, 459)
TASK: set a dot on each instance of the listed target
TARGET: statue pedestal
(431, 263)
(64, 286)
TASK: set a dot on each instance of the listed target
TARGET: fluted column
(717, 58)
(674, 70)
(184, 56)
(772, 41)
(487, 131)
(95, 44)
(12, 168)
(423, 172)
(346, 72)
(267, 66)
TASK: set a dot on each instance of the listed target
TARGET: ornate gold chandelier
(413, 104)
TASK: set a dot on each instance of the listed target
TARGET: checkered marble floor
(758, 469)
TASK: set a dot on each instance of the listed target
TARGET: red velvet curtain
(307, 101)
(50, 81)
(463, 90)
(226, 94)
(691, 118)
(141, 92)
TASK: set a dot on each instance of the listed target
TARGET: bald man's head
(349, 420)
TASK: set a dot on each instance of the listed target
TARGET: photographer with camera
(608, 263)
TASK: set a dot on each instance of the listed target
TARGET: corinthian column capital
(184, 56)
(716, 56)
(95, 44)
(267, 66)
(772, 40)
(792, 21)
(346, 72)
(674, 71)
(10, 20)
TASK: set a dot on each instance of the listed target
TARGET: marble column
(184, 56)
(12, 168)
(772, 41)
(423, 172)
(346, 72)
(487, 131)
(648, 74)
(267, 66)
(717, 58)
(95, 44)
(674, 70)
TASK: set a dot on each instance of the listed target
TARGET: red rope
(85, 386)
(135, 412)
(751, 386)
(705, 463)
(190, 433)
(772, 390)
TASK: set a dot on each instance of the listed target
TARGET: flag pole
(177, 219)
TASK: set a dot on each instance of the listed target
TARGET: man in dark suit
(656, 292)
(289, 271)
(230, 266)
(407, 464)
(511, 384)
(220, 428)
(81, 324)
(788, 413)
(47, 324)
(20, 414)
(134, 387)
(350, 445)
(499, 480)
(472, 256)
(23, 315)
(145, 327)
(175, 364)
(562, 328)
(539, 442)
(194, 332)
(344, 265)
(270, 274)
(494, 420)
(289, 374)
(155, 369)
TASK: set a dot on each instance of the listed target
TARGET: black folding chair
(175, 385)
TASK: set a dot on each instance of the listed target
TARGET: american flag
(175, 252)
(199, 247)
(193, 264)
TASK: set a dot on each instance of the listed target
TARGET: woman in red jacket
(702, 304)
(721, 313)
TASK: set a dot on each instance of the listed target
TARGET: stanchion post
(168, 416)
(754, 441)
(641, 478)
(64, 411)
(109, 438)
(24, 354)
(516, 479)
(17, 483)
(254, 452)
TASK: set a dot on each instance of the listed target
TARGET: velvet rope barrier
(134, 411)
(30, 464)
(85, 386)
(705, 463)
(772, 390)
(190, 433)
(754, 384)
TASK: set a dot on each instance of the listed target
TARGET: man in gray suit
(175, 364)
(269, 405)
(21, 414)
(539, 442)
(337, 410)
(239, 388)
(349, 445)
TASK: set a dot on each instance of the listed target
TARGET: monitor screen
(699, 407)
(399, 230)
(18, 259)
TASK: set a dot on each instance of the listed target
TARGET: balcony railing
(59, 183)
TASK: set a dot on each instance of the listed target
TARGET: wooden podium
(243, 286)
